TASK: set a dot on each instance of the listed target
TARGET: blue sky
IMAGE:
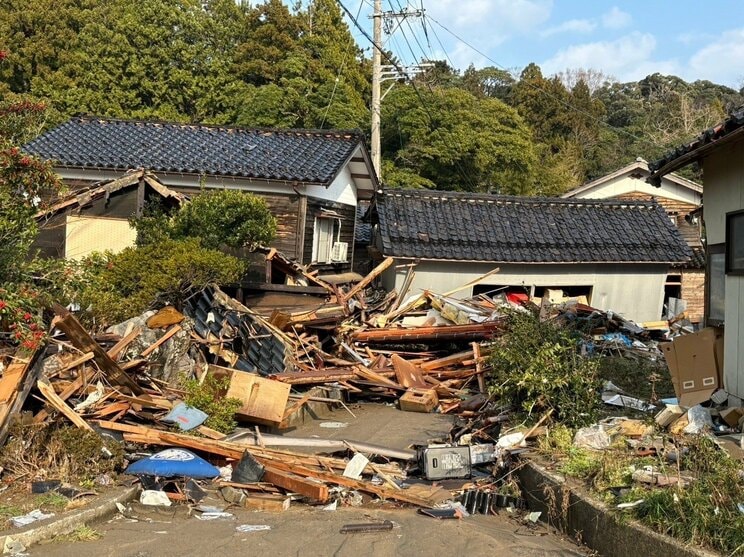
(702, 39)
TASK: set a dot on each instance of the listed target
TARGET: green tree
(457, 141)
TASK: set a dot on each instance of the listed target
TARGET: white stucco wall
(635, 291)
(341, 190)
(625, 184)
(723, 174)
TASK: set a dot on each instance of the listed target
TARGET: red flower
(3, 54)
(25, 161)
(30, 344)
(33, 326)
(27, 316)
(3, 305)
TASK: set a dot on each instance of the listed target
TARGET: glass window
(715, 285)
(735, 243)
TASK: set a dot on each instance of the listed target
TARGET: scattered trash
(155, 498)
(630, 505)
(173, 463)
(333, 425)
(367, 527)
(29, 518)
(249, 528)
(331, 506)
(533, 517)
(356, 466)
(185, 417)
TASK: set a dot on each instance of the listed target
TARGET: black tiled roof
(696, 261)
(363, 233)
(294, 155)
(474, 227)
(709, 136)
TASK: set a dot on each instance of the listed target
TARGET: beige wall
(723, 174)
(634, 291)
(84, 235)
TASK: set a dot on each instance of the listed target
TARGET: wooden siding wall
(348, 222)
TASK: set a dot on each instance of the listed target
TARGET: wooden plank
(408, 374)
(478, 331)
(75, 363)
(79, 337)
(264, 400)
(366, 281)
(15, 385)
(296, 406)
(266, 502)
(295, 289)
(374, 377)
(48, 392)
(169, 333)
(296, 484)
(68, 391)
(116, 350)
(479, 368)
(447, 361)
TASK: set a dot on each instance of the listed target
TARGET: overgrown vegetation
(53, 451)
(644, 378)
(127, 283)
(219, 218)
(82, 533)
(209, 397)
(537, 367)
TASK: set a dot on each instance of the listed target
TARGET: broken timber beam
(361, 285)
(15, 385)
(79, 337)
(478, 331)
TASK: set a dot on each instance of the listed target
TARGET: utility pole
(376, 75)
(382, 73)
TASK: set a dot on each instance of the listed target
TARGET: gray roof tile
(294, 155)
(476, 227)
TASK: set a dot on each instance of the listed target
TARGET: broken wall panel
(257, 345)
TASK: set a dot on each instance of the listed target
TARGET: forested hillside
(267, 65)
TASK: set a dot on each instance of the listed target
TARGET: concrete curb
(67, 522)
(573, 511)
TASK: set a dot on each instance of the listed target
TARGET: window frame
(335, 236)
(714, 250)
(731, 217)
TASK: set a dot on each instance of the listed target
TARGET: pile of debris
(424, 352)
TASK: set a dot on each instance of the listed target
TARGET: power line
(420, 97)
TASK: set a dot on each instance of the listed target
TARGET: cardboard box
(695, 363)
(731, 416)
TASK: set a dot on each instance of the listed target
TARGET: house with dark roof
(312, 180)
(720, 152)
(685, 283)
(614, 252)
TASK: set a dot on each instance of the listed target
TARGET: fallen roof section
(81, 198)
(456, 226)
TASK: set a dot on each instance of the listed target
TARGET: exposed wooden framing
(15, 385)
(48, 392)
(79, 337)
(150, 349)
(479, 367)
(361, 285)
(294, 289)
(116, 350)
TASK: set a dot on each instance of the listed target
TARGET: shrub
(218, 217)
(125, 284)
(209, 397)
(537, 367)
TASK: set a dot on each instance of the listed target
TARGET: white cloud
(491, 20)
(627, 58)
(571, 26)
(721, 61)
(616, 18)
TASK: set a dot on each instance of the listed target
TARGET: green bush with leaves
(537, 367)
(220, 218)
(209, 397)
(125, 284)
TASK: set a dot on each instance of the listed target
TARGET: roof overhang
(362, 172)
(694, 155)
(539, 263)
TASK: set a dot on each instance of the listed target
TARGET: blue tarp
(173, 463)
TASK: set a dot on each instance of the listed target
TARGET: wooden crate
(419, 401)
(264, 400)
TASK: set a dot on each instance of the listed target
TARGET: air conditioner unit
(339, 251)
